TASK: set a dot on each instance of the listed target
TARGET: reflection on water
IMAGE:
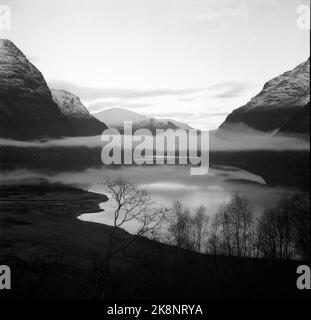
(167, 184)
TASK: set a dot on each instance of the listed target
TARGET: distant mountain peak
(115, 117)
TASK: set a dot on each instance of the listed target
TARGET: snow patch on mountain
(115, 118)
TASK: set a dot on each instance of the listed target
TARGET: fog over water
(253, 140)
(166, 184)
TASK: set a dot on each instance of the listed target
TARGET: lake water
(166, 184)
(169, 183)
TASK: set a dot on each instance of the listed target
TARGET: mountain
(178, 124)
(77, 114)
(115, 118)
(298, 124)
(27, 110)
(273, 107)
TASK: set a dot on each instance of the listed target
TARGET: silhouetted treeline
(69, 261)
(281, 232)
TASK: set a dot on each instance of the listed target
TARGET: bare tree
(254, 240)
(299, 206)
(212, 244)
(132, 206)
(179, 230)
(188, 231)
(281, 232)
(231, 228)
(268, 238)
(284, 230)
(200, 223)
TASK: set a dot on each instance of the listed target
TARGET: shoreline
(57, 254)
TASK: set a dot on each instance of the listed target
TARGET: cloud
(90, 93)
(89, 142)
(228, 89)
(232, 142)
(98, 105)
(98, 99)
(190, 115)
(256, 140)
(187, 98)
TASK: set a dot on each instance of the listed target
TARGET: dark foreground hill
(53, 255)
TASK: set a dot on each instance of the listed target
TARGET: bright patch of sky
(191, 60)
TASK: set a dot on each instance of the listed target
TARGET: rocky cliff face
(274, 105)
(77, 114)
(27, 110)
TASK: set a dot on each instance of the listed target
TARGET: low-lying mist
(166, 184)
(234, 142)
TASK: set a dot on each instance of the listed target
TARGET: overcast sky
(191, 60)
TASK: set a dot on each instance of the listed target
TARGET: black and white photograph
(155, 152)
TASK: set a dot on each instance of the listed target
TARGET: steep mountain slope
(273, 106)
(298, 124)
(27, 110)
(80, 118)
(115, 118)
